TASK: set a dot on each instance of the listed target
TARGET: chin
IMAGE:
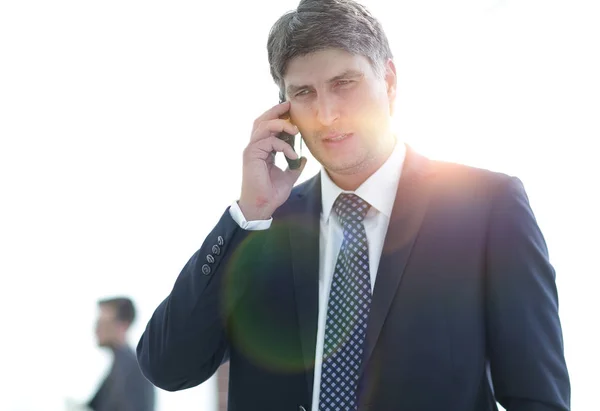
(343, 160)
(345, 166)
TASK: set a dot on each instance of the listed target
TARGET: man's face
(341, 107)
(107, 326)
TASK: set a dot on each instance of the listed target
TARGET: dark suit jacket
(465, 307)
(124, 388)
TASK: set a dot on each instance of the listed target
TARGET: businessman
(387, 281)
(124, 388)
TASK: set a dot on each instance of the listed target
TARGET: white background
(122, 125)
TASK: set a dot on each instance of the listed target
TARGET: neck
(350, 181)
(121, 342)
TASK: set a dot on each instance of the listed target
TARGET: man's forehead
(322, 66)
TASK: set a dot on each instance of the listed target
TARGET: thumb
(292, 175)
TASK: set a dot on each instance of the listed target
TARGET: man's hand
(265, 186)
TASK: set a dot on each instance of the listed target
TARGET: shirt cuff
(239, 218)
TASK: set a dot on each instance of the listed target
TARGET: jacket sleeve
(185, 340)
(525, 342)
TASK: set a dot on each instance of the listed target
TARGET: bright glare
(122, 125)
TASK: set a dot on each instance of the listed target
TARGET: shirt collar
(379, 190)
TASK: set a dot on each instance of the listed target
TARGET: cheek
(375, 104)
(363, 101)
(301, 116)
(103, 331)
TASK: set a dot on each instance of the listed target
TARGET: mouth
(335, 138)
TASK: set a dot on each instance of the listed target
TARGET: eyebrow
(346, 74)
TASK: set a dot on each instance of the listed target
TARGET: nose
(327, 110)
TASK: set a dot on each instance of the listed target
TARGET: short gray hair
(321, 24)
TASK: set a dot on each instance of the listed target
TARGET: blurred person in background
(124, 388)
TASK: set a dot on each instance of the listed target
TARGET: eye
(302, 93)
(343, 83)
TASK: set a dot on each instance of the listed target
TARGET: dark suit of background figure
(124, 388)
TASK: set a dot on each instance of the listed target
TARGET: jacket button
(210, 259)
(205, 269)
(220, 240)
(301, 408)
(216, 249)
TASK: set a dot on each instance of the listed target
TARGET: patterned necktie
(347, 310)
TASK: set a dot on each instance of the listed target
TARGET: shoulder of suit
(449, 172)
(311, 188)
(305, 186)
(125, 357)
(469, 183)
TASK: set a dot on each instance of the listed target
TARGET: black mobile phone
(291, 140)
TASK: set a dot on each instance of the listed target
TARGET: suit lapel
(304, 241)
(407, 214)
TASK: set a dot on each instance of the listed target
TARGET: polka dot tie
(347, 310)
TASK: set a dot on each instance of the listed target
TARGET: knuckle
(246, 153)
(281, 124)
(276, 142)
(250, 148)
(266, 127)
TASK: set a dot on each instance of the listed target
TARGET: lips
(332, 138)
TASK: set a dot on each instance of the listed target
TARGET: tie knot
(350, 208)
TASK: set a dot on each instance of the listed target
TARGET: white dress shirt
(379, 191)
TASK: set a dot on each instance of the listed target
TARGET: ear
(391, 82)
(281, 95)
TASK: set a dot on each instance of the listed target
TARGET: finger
(263, 149)
(271, 128)
(274, 112)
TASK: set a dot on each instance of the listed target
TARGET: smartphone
(291, 140)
